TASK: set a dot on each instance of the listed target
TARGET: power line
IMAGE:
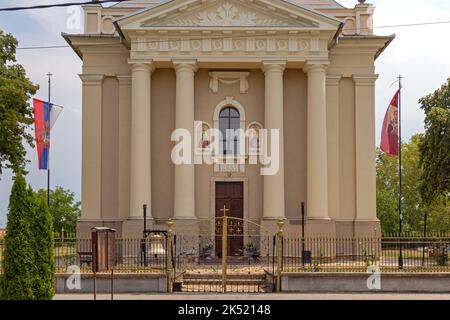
(66, 4)
(413, 24)
(224, 37)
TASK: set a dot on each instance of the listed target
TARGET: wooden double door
(230, 195)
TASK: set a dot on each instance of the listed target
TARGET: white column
(333, 134)
(140, 181)
(124, 144)
(274, 201)
(317, 163)
(184, 197)
(92, 147)
(366, 207)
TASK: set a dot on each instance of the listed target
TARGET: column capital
(92, 79)
(146, 65)
(269, 66)
(333, 79)
(183, 65)
(319, 65)
(124, 79)
(365, 79)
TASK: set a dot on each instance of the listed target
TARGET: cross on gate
(224, 210)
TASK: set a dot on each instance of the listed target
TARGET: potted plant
(250, 250)
(207, 250)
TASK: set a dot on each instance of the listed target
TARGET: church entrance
(248, 266)
(230, 199)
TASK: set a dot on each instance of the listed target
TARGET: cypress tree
(43, 248)
(18, 262)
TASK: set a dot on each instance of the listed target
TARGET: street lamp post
(303, 233)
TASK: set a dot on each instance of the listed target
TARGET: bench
(85, 257)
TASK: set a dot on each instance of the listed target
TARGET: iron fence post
(170, 224)
(279, 253)
(224, 252)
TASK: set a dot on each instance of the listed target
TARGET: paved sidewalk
(237, 297)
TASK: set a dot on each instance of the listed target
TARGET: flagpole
(48, 159)
(400, 173)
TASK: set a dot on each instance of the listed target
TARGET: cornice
(334, 79)
(316, 65)
(273, 65)
(182, 65)
(365, 79)
(92, 79)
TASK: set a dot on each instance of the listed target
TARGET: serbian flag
(45, 116)
(390, 131)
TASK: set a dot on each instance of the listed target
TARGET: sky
(420, 54)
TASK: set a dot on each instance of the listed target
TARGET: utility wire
(221, 37)
(66, 4)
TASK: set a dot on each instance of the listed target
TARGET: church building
(158, 75)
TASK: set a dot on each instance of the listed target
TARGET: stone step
(219, 282)
(207, 276)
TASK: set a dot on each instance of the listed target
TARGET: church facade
(158, 74)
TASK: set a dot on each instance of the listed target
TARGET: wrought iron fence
(132, 255)
(325, 254)
(312, 254)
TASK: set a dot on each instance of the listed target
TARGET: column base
(368, 229)
(358, 229)
(320, 228)
(186, 226)
(270, 226)
(84, 227)
(134, 227)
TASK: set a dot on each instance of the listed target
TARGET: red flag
(390, 131)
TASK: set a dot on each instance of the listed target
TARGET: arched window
(229, 125)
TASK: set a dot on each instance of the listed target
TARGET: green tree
(387, 188)
(387, 209)
(16, 115)
(18, 262)
(64, 209)
(435, 147)
(439, 217)
(43, 248)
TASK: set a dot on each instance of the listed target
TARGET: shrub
(43, 248)
(18, 262)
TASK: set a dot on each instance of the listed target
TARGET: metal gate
(200, 265)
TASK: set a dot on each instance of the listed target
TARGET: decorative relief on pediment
(229, 15)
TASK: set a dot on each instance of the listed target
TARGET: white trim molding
(229, 102)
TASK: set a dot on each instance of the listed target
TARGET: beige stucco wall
(295, 139)
(205, 104)
(347, 191)
(163, 124)
(110, 149)
(113, 200)
(114, 204)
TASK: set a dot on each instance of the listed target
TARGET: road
(237, 297)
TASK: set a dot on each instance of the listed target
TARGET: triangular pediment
(228, 13)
